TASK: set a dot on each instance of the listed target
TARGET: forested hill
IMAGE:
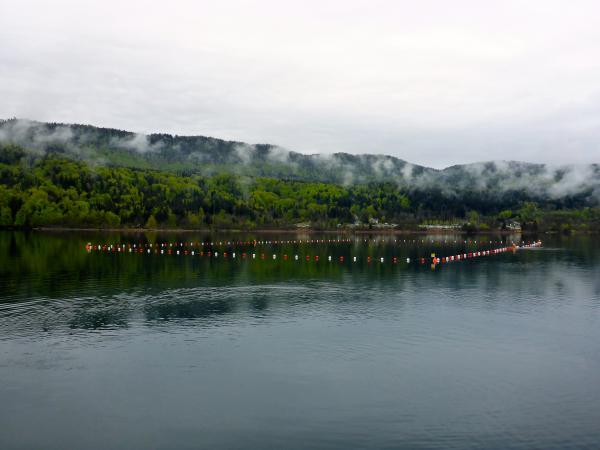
(188, 155)
(84, 176)
(199, 154)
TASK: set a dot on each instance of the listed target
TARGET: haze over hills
(208, 156)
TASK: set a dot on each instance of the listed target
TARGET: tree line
(54, 190)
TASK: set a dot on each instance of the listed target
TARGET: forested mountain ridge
(187, 155)
(196, 154)
(84, 176)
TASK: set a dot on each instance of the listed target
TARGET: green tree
(151, 223)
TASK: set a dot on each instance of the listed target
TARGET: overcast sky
(433, 82)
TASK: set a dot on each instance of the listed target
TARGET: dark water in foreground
(145, 351)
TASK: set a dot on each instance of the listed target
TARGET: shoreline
(289, 231)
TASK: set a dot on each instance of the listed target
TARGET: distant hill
(575, 184)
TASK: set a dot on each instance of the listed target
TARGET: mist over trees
(84, 176)
(54, 190)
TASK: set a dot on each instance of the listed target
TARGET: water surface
(108, 350)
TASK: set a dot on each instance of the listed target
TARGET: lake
(118, 349)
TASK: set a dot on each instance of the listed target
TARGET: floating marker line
(164, 249)
(311, 242)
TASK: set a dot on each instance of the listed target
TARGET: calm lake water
(147, 351)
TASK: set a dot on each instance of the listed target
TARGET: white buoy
(274, 256)
(354, 259)
(329, 258)
(407, 260)
(233, 255)
(253, 255)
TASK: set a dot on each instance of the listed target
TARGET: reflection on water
(136, 351)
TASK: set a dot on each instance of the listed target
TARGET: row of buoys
(230, 243)
(431, 241)
(283, 242)
(170, 251)
(232, 255)
(462, 256)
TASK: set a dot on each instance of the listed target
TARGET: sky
(432, 82)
